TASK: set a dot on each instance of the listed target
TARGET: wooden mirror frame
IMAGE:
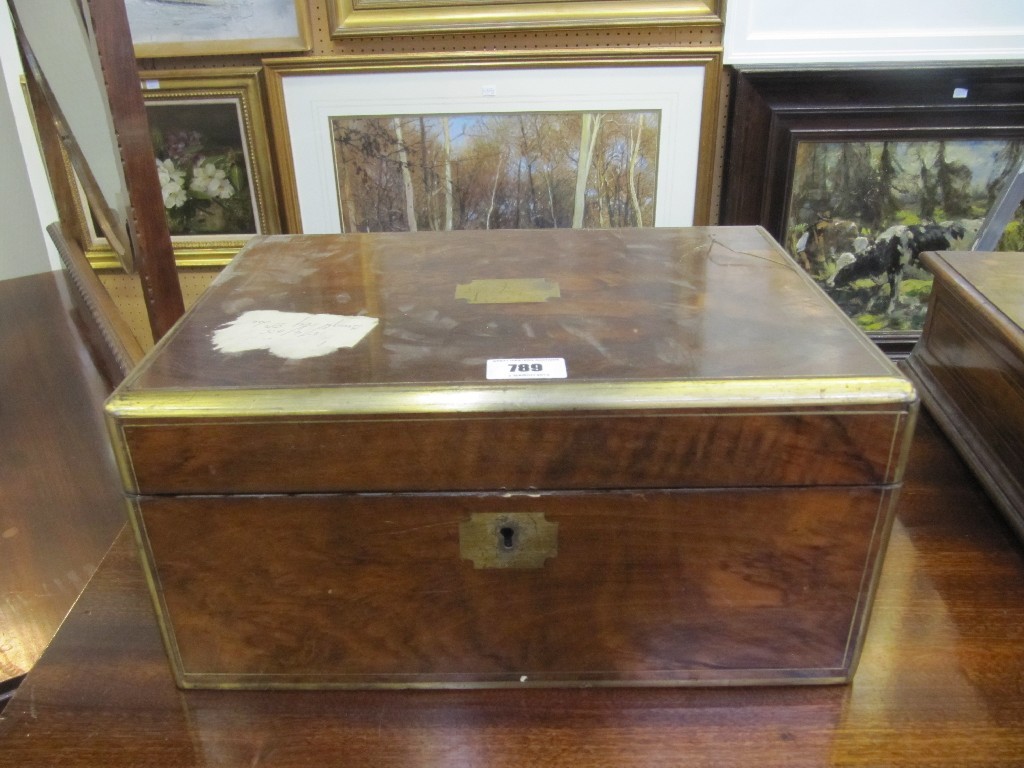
(105, 24)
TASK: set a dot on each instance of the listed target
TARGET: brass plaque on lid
(509, 291)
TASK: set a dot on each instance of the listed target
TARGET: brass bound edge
(511, 398)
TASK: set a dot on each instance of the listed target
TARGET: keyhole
(508, 535)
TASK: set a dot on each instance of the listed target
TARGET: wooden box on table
(969, 365)
(628, 457)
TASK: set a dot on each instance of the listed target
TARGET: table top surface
(940, 683)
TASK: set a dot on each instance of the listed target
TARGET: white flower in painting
(171, 184)
(208, 179)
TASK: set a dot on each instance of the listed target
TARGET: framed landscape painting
(373, 149)
(496, 171)
(213, 162)
(857, 173)
(210, 27)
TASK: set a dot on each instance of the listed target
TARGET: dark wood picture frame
(772, 111)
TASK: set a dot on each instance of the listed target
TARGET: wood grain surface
(761, 585)
(940, 683)
(969, 367)
(461, 452)
(60, 505)
(689, 315)
(151, 246)
(694, 302)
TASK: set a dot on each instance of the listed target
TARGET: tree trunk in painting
(591, 124)
(888, 173)
(341, 183)
(494, 190)
(427, 175)
(954, 181)
(634, 157)
(403, 159)
(551, 198)
(449, 202)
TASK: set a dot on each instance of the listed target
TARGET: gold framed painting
(213, 159)
(395, 17)
(615, 140)
(162, 28)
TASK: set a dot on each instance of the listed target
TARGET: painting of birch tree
(496, 171)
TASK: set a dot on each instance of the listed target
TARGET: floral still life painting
(497, 171)
(860, 214)
(202, 165)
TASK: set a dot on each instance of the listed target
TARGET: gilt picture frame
(396, 17)
(900, 135)
(213, 157)
(164, 28)
(308, 98)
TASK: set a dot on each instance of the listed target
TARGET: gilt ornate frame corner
(402, 17)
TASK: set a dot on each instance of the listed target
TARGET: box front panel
(511, 589)
(525, 451)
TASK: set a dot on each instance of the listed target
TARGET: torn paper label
(292, 335)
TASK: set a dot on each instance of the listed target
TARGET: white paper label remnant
(527, 368)
(292, 335)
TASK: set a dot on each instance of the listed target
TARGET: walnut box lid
(697, 357)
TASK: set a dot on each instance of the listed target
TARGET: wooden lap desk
(513, 459)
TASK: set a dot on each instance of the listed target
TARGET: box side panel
(721, 587)
(971, 374)
(538, 451)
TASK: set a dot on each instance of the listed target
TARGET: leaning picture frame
(379, 17)
(308, 98)
(163, 28)
(213, 158)
(855, 172)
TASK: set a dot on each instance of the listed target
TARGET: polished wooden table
(941, 682)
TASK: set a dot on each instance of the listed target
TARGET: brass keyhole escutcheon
(508, 539)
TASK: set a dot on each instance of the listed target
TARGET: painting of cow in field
(861, 213)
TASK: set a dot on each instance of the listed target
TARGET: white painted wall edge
(25, 140)
(778, 33)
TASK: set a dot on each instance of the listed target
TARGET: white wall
(26, 204)
(787, 33)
